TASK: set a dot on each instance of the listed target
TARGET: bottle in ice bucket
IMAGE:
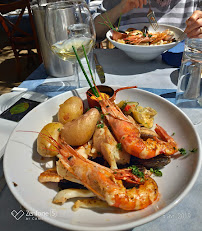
(189, 89)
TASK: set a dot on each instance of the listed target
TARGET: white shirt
(171, 12)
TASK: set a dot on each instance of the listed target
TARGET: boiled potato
(71, 109)
(79, 131)
(44, 145)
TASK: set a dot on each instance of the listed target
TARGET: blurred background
(8, 74)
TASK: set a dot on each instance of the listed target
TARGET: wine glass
(67, 24)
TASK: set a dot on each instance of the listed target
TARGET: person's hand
(128, 5)
(194, 25)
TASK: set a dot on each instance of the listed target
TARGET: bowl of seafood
(141, 42)
(112, 167)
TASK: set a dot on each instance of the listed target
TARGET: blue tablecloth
(173, 56)
(35, 82)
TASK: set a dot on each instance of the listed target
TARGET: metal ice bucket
(54, 66)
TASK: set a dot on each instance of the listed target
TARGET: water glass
(189, 89)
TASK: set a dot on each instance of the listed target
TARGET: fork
(151, 17)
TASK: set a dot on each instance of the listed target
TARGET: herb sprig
(119, 146)
(108, 23)
(136, 171)
(156, 172)
(184, 151)
(94, 90)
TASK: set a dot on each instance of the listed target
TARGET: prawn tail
(171, 146)
(139, 197)
(163, 134)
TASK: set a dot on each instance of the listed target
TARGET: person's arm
(113, 15)
(194, 25)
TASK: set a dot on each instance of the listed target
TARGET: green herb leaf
(136, 171)
(102, 116)
(119, 146)
(182, 151)
(156, 172)
(100, 125)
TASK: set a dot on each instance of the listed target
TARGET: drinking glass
(189, 90)
(67, 24)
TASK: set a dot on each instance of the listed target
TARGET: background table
(154, 76)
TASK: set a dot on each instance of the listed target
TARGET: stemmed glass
(67, 24)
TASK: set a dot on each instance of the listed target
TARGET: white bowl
(141, 52)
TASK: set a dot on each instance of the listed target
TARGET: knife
(99, 69)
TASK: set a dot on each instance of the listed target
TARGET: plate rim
(120, 226)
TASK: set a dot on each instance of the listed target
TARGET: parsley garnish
(102, 116)
(101, 125)
(119, 146)
(136, 171)
(156, 172)
(173, 134)
(149, 35)
(59, 129)
(182, 151)
(194, 150)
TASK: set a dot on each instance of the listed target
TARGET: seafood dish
(143, 37)
(100, 153)
(42, 184)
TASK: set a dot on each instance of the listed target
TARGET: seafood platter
(112, 166)
(141, 42)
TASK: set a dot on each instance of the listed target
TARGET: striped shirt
(171, 12)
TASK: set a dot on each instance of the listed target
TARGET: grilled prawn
(103, 183)
(128, 133)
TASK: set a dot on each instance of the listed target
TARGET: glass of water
(189, 89)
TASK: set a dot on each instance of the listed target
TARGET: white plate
(23, 165)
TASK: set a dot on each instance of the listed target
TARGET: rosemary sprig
(84, 72)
